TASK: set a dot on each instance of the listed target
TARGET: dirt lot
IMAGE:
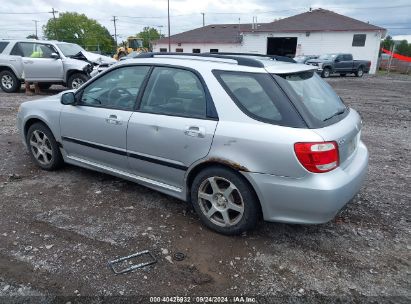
(59, 229)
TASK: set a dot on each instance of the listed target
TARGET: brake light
(318, 157)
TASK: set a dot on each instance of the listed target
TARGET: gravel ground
(59, 229)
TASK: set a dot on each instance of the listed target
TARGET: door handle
(28, 61)
(195, 131)
(113, 119)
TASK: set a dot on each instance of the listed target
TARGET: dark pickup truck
(342, 64)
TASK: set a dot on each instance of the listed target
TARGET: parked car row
(47, 62)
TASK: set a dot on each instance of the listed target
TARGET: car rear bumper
(313, 199)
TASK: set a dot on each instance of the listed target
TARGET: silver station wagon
(239, 137)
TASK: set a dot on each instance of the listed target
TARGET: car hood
(55, 97)
(93, 58)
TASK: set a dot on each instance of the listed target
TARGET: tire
(359, 72)
(43, 147)
(343, 75)
(211, 184)
(76, 80)
(44, 85)
(9, 82)
(326, 73)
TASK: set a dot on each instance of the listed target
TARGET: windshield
(135, 43)
(69, 49)
(327, 56)
(316, 95)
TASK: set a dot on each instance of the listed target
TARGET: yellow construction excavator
(133, 44)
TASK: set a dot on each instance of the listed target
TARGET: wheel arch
(328, 66)
(71, 72)
(10, 69)
(31, 121)
(219, 163)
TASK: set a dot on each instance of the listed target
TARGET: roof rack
(240, 60)
(275, 57)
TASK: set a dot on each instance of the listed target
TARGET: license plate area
(352, 145)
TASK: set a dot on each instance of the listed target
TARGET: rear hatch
(323, 110)
(346, 133)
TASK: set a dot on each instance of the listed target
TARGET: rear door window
(33, 50)
(258, 96)
(3, 45)
(347, 57)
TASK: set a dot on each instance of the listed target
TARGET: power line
(31, 13)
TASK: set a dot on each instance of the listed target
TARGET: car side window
(3, 45)
(347, 57)
(173, 91)
(251, 93)
(116, 89)
(17, 50)
(33, 50)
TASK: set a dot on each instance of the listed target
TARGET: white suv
(47, 62)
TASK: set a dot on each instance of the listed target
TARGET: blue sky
(186, 14)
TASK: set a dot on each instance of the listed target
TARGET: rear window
(315, 96)
(258, 96)
(3, 45)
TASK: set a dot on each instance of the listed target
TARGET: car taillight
(318, 157)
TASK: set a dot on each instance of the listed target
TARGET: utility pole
(35, 25)
(168, 20)
(203, 19)
(54, 12)
(115, 29)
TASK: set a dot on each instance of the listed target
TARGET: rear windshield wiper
(335, 114)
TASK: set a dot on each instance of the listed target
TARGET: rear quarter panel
(15, 63)
(260, 147)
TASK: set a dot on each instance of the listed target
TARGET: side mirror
(337, 60)
(68, 98)
(54, 55)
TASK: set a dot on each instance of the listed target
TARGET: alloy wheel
(220, 201)
(41, 147)
(7, 82)
(76, 83)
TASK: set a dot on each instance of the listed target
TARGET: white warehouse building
(311, 33)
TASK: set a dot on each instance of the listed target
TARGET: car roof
(249, 63)
(34, 40)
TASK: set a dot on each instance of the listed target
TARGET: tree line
(402, 47)
(88, 33)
